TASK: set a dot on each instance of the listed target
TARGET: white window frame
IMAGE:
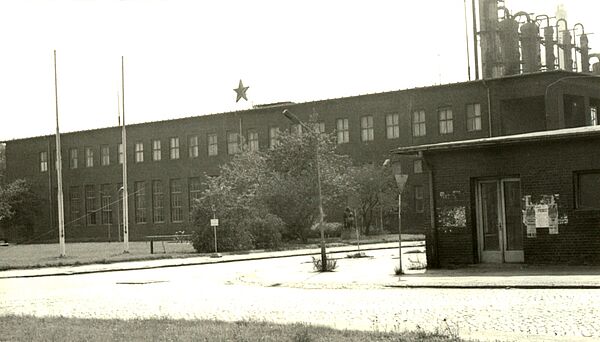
(419, 123)
(392, 126)
(343, 130)
(446, 120)
(366, 128)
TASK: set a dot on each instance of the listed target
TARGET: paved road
(285, 290)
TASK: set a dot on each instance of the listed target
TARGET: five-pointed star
(241, 92)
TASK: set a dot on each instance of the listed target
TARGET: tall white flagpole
(124, 144)
(61, 209)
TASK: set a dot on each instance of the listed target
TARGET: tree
(292, 192)
(375, 188)
(258, 190)
(18, 206)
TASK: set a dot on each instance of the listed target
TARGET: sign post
(400, 182)
(214, 222)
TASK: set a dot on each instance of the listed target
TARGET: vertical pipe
(475, 51)
(467, 41)
(60, 203)
(124, 143)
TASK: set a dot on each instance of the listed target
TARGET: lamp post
(295, 120)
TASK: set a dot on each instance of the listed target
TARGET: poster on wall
(541, 216)
(529, 221)
(553, 218)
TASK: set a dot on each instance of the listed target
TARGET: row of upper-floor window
(98, 203)
(235, 140)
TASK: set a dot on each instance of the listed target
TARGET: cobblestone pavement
(240, 290)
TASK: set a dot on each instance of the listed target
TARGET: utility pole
(124, 144)
(61, 209)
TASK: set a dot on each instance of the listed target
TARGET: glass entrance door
(500, 231)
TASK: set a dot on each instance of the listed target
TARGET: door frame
(503, 255)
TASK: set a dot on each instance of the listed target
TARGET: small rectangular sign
(214, 222)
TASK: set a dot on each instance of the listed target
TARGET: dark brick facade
(544, 168)
(516, 104)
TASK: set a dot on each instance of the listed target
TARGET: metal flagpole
(61, 210)
(124, 144)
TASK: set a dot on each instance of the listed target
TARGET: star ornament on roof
(240, 92)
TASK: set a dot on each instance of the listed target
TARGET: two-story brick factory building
(167, 160)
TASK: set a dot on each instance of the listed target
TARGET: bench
(163, 238)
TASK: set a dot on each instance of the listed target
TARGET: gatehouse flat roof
(558, 134)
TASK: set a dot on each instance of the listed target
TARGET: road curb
(199, 263)
(506, 287)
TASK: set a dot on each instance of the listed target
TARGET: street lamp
(295, 120)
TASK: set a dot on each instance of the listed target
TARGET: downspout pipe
(489, 107)
(434, 232)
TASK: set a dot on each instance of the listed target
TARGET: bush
(329, 267)
(265, 231)
(228, 239)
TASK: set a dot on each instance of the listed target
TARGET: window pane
(74, 206)
(91, 205)
(105, 202)
(139, 152)
(73, 161)
(588, 191)
(193, 147)
(176, 201)
(158, 214)
(212, 144)
(174, 148)
(156, 150)
(273, 136)
(140, 201)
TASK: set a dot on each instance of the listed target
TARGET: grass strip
(29, 328)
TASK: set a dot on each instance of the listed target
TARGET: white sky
(184, 58)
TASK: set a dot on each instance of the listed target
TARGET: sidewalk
(201, 260)
(376, 271)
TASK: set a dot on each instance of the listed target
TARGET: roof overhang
(559, 134)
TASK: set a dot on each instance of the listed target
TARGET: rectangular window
(588, 190)
(156, 150)
(418, 166)
(73, 158)
(232, 143)
(105, 202)
(446, 120)
(253, 140)
(343, 131)
(75, 205)
(91, 205)
(89, 157)
(43, 161)
(121, 157)
(366, 128)
(195, 191)
(418, 123)
(176, 201)
(158, 206)
(104, 155)
(213, 149)
(419, 202)
(139, 152)
(473, 117)
(593, 116)
(392, 126)
(174, 148)
(139, 195)
(296, 129)
(273, 136)
(193, 147)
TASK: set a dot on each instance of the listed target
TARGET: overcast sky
(184, 58)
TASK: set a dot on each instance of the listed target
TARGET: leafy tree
(19, 206)
(375, 189)
(291, 192)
